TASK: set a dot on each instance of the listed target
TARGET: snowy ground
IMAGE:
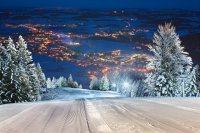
(88, 114)
(75, 93)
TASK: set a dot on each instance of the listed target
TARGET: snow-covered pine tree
(56, 83)
(197, 68)
(94, 83)
(104, 84)
(24, 90)
(34, 83)
(24, 57)
(53, 82)
(70, 82)
(169, 63)
(60, 82)
(41, 76)
(49, 83)
(191, 85)
(11, 84)
(75, 84)
(19, 80)
(80, 86)
(3, 68)
(64, 82)
(70, 79)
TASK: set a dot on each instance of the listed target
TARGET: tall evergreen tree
(3, 68)
(24, 93)
(41, 76)
(23, 54)
(11, 84)
(191, 84)
(25, 59)
(197, 69)
(170, 63)
(34, 82)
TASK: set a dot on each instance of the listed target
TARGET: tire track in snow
(132, 117)
(167, 122)
(76, 121)
(86, 116)
(40, 122)
(19, 122)
(96, 122)
(175, 106)
(57, 120)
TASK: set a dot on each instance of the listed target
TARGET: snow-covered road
(103, 115)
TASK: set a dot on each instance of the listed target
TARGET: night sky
(177, 4)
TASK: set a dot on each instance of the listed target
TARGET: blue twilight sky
(177, 4)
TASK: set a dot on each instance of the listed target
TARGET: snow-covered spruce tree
(75, 84)
(197, 68)
(104, 84)
(10, 75)
(94, 83)
(2, 56)
(41, 76)
(24, 57)
(170, 63)
(70, 81)
(24, 91)
(49, 83)
(191, 84)
(64, 82)
(3, 68)
(53, 82)
(19, 80)
(80, 86)
(34, 82)
(61, 82)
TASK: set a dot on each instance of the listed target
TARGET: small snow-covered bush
(94, 84)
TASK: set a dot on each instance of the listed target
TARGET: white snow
(90, 111)
(77, 93)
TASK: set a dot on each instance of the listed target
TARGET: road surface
(103, 115)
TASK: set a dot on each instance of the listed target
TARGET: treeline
(103, 84)
(62, 82)
(128, 84)
(20, 78)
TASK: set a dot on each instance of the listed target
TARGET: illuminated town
(51, 44)
(97, 47)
